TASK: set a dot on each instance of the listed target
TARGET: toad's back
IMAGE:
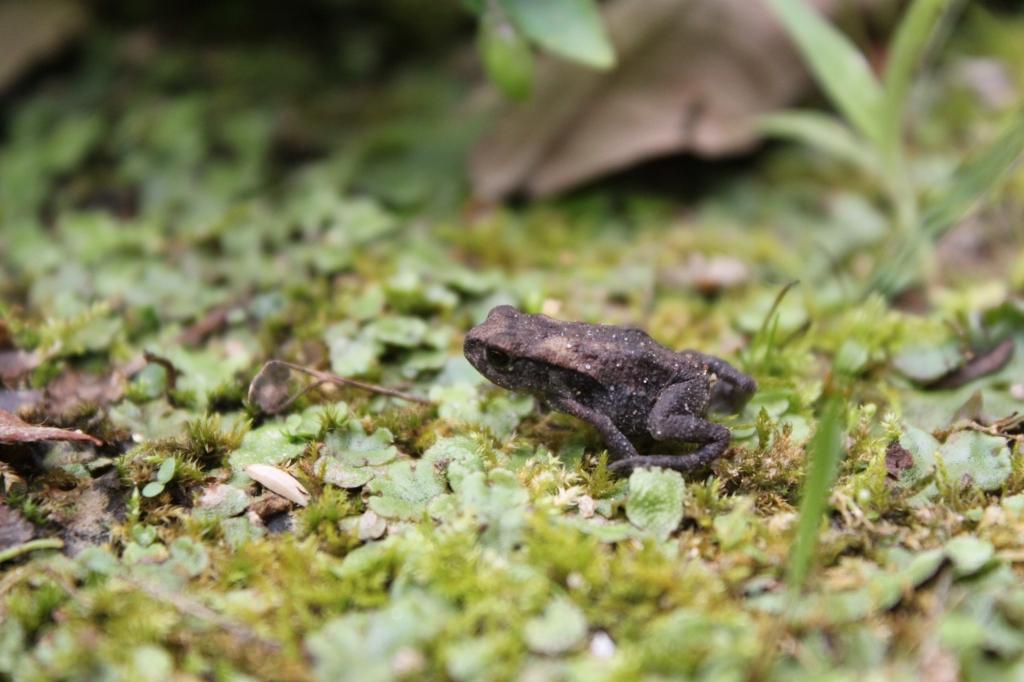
(621, 372)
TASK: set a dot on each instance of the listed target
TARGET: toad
(634, 391)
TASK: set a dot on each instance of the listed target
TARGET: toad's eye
(498, 359)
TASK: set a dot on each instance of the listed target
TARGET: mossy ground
(186, 204)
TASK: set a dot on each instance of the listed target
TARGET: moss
(173, 219)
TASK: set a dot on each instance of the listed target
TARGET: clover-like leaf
(561, 628)
(351, 445)
(977, 459)
(924, 363)
(203, 372)
(460, 456)
(344, 475)
(307, 424)
(269, 444)
(404, 489)
(221, 501)
(189, 555)
(498, 500)
(655, 502)
(400, 331)
(352, 355)
(969, 554)
(500, 414)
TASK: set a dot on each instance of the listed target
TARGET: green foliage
(571, 29)
(561, 628)
(405, 490)
(824, 453)
(655, 502)
(876, 111)
(164, 475)
(217, 214)
(506, 57)
(838, 66)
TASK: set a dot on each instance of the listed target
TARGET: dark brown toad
(634, 391)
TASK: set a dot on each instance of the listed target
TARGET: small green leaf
(189, 555)
(268, 444)
(927, 362)
(838, 66)
(352, 446)
(561, 628)
(400, 331)
(655, 501)
(570, 28)
(404, 491)
(352, 356)
(852, 357)
(918, 28)
(344, 475)
(152, 489)
(977, 459)
(922, 447)
(969, 554)
(221, 501)
(166, 471)
(507, 58)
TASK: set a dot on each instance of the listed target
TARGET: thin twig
(293, 398)
(329, 377)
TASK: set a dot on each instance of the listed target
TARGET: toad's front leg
(676, 416)
(618, 445)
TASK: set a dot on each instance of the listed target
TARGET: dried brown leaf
(897, 460)
(979, 366)
(692, 76)
(71, 390)
(31, 30)
(269, 389)
(14, 430)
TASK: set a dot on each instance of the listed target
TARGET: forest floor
(172, 218)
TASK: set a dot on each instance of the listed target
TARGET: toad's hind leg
(676, 416)
(733, 389)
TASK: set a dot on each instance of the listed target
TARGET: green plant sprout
(164, 475)
(868, 132)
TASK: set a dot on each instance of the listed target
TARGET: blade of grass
(983, 172)
(838, 66)
(824, 132)
(918, 29)
(825, 450)
(980, 174)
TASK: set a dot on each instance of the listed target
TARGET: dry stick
(328, 377)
